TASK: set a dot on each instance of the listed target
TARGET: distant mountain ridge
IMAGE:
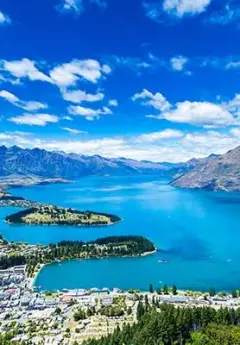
(47, 164)
(217, 173)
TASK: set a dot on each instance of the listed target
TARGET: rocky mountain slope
(214, 173)
(41, 163)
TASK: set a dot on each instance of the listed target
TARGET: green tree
(174, 290)
(58, 311)
(165, 289)
(212, 292)
(140, 310)
(151, 288)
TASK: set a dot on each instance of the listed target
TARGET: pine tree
(151, 288)
(174, 290)
(165, 289)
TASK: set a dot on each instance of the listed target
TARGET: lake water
(197, 232)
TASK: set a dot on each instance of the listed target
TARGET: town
(72, 316)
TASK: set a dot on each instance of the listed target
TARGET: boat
(162, 261)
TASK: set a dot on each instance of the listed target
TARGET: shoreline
(33, 279)
(65, 225)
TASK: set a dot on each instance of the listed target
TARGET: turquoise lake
(197, 232)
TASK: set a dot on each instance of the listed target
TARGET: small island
(33, 256)
(53, 215)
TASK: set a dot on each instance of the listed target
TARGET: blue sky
(143, 79)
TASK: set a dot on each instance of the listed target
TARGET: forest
(164, 324)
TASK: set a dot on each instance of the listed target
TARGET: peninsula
(35, 255)
(53, 215)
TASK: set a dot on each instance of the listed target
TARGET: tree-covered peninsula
(53, 215)
(34, 255)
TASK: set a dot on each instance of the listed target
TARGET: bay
(196, 231)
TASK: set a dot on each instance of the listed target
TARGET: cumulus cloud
(113, 103)
(180, 8)
(75, 6)
(199, 113)
(26, 105)
(204, 114)
(156, 10)
(89, 113)
(4, 19)
(157, 100)
(63, 76)
(24, 68)
(67, 74)
(79, 96)
(34, 119)
(178, 63)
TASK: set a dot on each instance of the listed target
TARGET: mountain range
(15, 161)
(219, 173)
(212, 173)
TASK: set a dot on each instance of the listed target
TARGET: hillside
(41, 163)
(217, 173)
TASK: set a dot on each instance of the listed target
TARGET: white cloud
(199, 113)
(178, 63)
(26, 105)
(233, 106)
(9, 96)
(180, 8)
(233, 65)
(235, 132)
(4, 19)
(89, 113)
(34, 119)
(75, 6)
(155, 10)
(229, 13)
(113, 103)
(16, 138)
(79, 96)
(136, 64)
(157, 101)
(67, 74)
(161, 135)
(24, 68)
(73, 130)
(78, 6)
(104, 147)
(67, 118)
(32, 105)
(204, 114)
(181, 148)
(206, 143)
